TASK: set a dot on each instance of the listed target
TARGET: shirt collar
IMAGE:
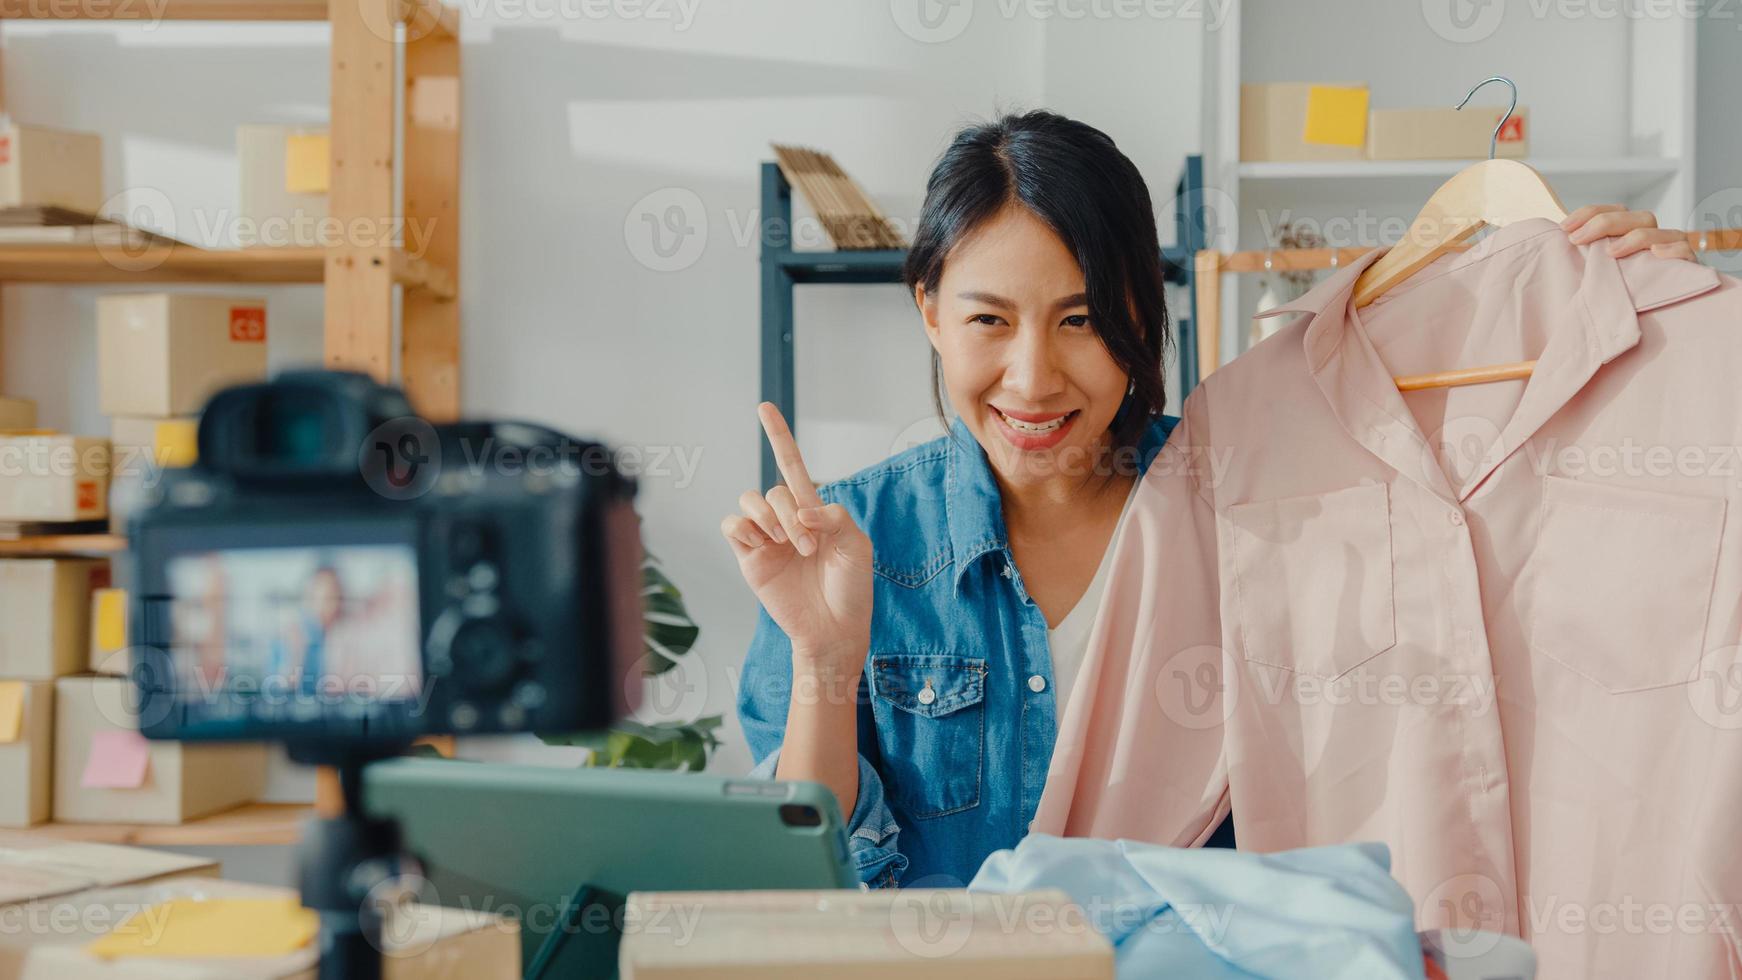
(974, 504)
(1360, 389)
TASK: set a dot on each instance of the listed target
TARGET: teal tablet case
(526, 841)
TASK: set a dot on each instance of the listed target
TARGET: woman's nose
(1033, 371)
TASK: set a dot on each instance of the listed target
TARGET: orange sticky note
(1336, 116)
(11, 711)
(118, 760)
(305, 163)
(111, 619)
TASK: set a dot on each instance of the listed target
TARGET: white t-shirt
(1069, 640)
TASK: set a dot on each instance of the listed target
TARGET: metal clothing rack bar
(1209, 265)
(783, 268)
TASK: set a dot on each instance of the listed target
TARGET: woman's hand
(809, 564)
(1632, 231)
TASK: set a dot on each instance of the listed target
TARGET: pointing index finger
(787, 457)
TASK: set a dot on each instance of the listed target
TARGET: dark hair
(1071, 176)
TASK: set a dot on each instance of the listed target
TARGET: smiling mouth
(1035, 428)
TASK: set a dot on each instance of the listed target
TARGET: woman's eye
(1079, 320)
(985, 319)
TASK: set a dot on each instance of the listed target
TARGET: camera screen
(308, 628)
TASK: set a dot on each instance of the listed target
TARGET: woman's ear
(928, 313)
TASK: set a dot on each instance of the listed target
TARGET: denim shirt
(957, 714)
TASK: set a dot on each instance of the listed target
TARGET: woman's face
(1022, 364)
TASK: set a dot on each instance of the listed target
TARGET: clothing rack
(1209, 264)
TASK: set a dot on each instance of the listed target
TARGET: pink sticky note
(117, 760)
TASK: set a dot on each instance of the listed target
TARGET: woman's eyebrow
(993, 299)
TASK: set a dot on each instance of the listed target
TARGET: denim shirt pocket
(931, 726)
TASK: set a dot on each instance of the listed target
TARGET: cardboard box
(26, 751)
(34, 868)
(164, 354)
(106, 773)
(109, 654)
(146, 445)
(1445, 134)
(283, 184)
(1273, 124)
(45, 607)
(42, 167)
(53, 478)
(424, 942)
(916, 934)
(17, 413)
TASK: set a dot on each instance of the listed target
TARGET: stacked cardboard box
(43, 635)
(159, 357)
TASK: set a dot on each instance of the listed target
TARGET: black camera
(336, 569)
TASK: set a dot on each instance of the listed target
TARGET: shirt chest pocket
(931, 729)
(1313, 580)
(1623, 582)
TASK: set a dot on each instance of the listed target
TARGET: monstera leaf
(668, 634)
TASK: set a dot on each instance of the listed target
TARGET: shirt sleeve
(763, 696)
(1140, 751)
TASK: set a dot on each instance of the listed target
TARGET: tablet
(528, 841)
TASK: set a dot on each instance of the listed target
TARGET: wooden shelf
(250, 825)
(185, 263)
(1577, 179)
(421, 14)
(65, 544)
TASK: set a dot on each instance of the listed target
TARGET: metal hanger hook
(1494, 141)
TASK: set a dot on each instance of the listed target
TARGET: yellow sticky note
(176, 442)
(11, 711)
(305, 163)
(111, 619)
(219, 927)
(1336, 116)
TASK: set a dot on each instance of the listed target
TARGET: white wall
(575, 129)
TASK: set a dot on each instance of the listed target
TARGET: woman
(922, 620)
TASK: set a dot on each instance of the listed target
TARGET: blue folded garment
(1188, 913)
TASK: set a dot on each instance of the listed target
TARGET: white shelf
(1579, 181)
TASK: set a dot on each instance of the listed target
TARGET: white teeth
(1034, 428)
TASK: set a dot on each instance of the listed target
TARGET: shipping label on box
(17, 414)
(45, 604)
(164, 354)
(53, 478)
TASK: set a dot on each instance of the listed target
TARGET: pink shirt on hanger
(1495, 626)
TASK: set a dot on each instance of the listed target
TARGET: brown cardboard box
(27, 760)
(180, 781)
(282, 183)
(1445, 134)
(109, 654)
(164, 354)
(17, 413)
(423, 942)
(1273, 124)
(145, 445)
(42, 167)
(34, 868)
(53, 478)
(916, 934)
(45, 606)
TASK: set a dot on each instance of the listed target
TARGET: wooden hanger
(1492, 193)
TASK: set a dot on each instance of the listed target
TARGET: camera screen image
(308, 628)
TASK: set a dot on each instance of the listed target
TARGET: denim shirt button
(1037, 683)
(926, 694)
